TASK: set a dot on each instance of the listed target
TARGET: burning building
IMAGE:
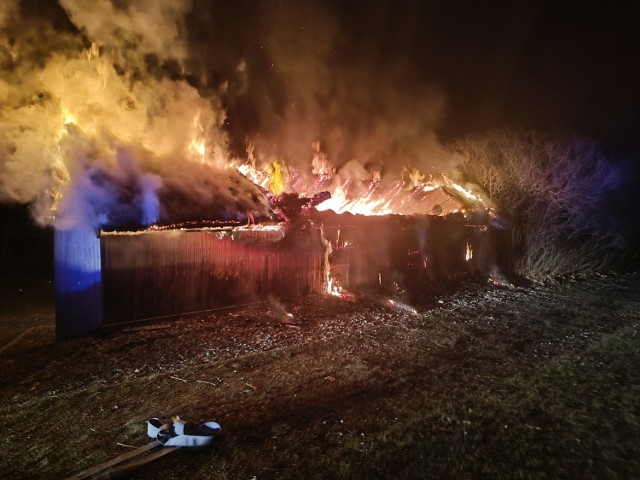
(120, 141)
(106, 278)
(117, 277)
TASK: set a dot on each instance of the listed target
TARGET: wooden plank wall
(124, 277)
(172, 272)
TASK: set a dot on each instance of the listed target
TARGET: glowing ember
(331, 286)
(404, 307)
(468, 253)
(497, 280)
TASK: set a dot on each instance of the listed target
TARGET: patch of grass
(499, 384)
(578, 416)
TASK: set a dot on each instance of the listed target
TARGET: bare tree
(551, 189)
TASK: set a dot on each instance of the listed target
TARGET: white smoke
(94, 129)
(134, 28)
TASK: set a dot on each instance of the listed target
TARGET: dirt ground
(536, 381)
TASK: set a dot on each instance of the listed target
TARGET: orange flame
(277, 178)
(415, 192)
(197, 146)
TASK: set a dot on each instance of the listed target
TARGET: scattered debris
(125, 445)
(125, 463)
(208, 383)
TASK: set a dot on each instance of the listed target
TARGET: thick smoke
(320, 73)
(125, 112)
(98, 126)
(134, 29)
(8, 12)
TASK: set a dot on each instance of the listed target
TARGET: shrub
(553, 192)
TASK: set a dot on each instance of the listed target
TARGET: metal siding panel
(78, 282)
(167, 273)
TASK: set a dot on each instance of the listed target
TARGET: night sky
(534, 65)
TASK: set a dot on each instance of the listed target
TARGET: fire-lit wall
(175, 272)
(409, 251)
(114, 278)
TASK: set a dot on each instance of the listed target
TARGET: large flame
(99, 125)
(99, 136)
(414, 192)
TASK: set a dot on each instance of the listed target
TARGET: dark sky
(535, 64)
(528, 63)
(519, 63)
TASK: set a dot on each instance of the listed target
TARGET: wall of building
(78, 282)
(171, 272)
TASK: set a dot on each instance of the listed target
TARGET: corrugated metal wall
(171, 272)
(78, 280)
(122, 277)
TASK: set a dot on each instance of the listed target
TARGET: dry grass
(537, 382)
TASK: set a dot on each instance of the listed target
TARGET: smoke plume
(97, 127)
(127, 112)
(301, 74)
